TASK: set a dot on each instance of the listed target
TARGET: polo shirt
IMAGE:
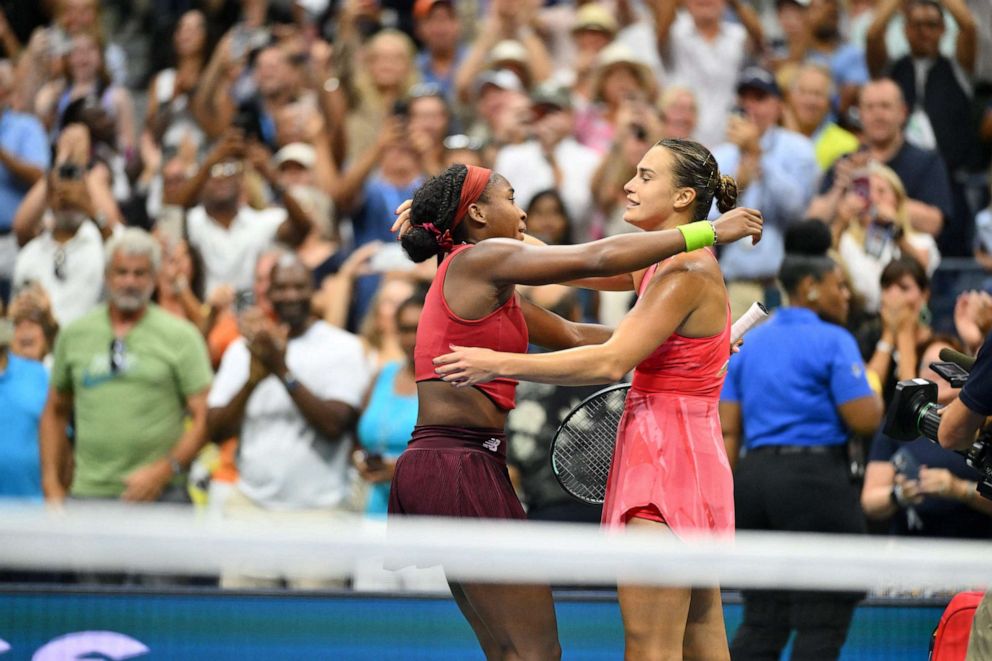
(790, 377)
(229, 253)
(23, 389)
(134, 416)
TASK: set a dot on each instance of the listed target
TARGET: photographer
(923, 489)
(963, 417)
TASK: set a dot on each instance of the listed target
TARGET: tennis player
(670, 470)
(455, 463)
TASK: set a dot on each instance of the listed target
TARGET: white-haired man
(132, 374)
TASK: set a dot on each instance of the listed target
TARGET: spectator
(228, 233)
(921, 488)
(807, 111)
(938, 92)
(171, 91)
(24, 157)
(437, 26)
(679, 113)
(705, 51)
(883, 114)
(776, 172)
(390, 412)
(593, 29)
(793, 423)
(134, 379)
(621, 84)
(66, 261)
(290, 390)
(428, 121)
(903, 324)
(86, 76)
(532, 424)
(873, 224)
(296, 174)
(552, 159)
(35, 328)
(23, 385)
(493, 91)
(821, 42)
(973, 319)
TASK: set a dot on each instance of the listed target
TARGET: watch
(290, 381)
(175, 466)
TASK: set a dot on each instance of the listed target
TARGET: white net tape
(164, 540)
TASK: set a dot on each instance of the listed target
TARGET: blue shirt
(791, 375)
(24, 137)
(23, 389)
(788, 177)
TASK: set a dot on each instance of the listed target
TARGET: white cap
(297, 152)
(501, 78)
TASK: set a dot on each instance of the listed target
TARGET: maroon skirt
(454, 471)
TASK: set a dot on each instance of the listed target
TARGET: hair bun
(810, 237)
(420, 244)
(726, 193)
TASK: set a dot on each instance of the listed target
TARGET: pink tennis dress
(670, 458)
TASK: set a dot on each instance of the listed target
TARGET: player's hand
(402, 224)
(467, 366)
(738, 223)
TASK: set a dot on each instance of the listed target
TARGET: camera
(913, 412)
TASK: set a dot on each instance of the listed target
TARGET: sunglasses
(58, 264)
(118, 356)
(228, 169)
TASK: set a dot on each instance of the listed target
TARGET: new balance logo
(492, 444)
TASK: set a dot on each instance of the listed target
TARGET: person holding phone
(872, 227)
(920, 488)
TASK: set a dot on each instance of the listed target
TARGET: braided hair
(436, 203)
(696, 168)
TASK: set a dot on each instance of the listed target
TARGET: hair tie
(444, 239)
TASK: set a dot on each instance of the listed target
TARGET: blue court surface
(214, 625)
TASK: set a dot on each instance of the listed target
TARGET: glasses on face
(228, 169)
(58, 264)
(118, 356)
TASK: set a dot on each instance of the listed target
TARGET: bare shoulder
(690, 265)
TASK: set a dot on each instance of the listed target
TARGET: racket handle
(754, 316)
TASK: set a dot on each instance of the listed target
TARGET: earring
(813, 294)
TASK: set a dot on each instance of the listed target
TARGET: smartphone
(70, 171)
(373, 460)
(243, 300)
(906, 464)
(861, 185)
(401, 108)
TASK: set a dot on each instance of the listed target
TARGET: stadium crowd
(204, 302)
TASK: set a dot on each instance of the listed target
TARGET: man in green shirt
(132, 374)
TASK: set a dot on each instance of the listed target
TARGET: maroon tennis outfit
(460, 471)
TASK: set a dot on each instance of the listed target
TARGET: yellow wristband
(698, 235)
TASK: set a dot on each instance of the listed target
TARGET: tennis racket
(582, 449)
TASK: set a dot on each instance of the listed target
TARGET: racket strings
(583, 448)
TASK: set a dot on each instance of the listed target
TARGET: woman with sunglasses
(455, 464)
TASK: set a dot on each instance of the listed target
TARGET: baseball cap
(297, 152)
(594, 16)
(756, 78)
(509, 50)
(504, 79)
(421, 8)
(550, 94)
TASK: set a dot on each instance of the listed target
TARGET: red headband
(475, 183)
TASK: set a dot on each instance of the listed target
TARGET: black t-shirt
(977, 393)
(940, 517)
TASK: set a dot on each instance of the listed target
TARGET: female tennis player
(455, 462)
(670, 470)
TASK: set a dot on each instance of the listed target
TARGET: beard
(826, 32)
(130, 300)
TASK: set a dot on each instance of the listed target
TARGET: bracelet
(697, 235)
(882, 345)
(896, 496)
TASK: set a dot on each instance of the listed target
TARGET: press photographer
(964, 416)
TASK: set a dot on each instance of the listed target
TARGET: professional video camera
(913, 413)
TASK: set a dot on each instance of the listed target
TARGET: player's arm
(548, 330)
(730, 424)
(669, 299)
